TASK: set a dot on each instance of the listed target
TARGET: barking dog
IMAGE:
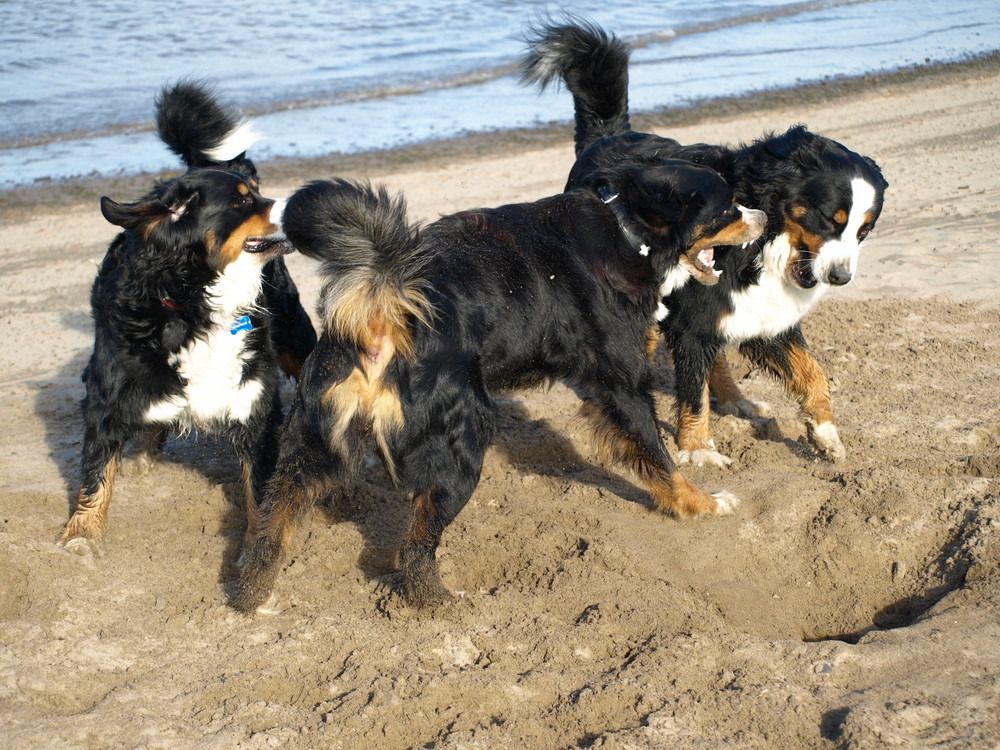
(193, 308)
(421, 327)
(821, 201)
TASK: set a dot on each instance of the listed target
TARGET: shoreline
(56, 195)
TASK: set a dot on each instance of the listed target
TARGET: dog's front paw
(825, 439)
(726, 501)
(83, 546)
(683, 500)
(270, 607)
(704, 457)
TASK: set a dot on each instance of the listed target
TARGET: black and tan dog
(193, 311)
(821, 200)
(421, 327)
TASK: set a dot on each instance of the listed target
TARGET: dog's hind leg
(625, 429)
(433, 510)
(439, 463)
(256, 445)
(303, 476)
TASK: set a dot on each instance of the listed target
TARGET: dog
(193, 311)
(421, 327)
(821, 200)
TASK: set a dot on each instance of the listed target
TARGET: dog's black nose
(839, 276)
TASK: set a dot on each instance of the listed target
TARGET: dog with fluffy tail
(193, 311)
(593, 65)
(822, 200)
(422, 326)
(374, 289)
(194, 123)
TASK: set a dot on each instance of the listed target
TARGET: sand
(850, 605)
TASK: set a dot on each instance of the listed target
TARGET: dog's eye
(863, 232)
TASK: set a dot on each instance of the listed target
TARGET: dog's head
(677, 211)
(822, 201)
(214, 214)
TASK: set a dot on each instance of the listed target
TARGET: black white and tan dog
(193, 310)
(423, 326)
(821, 201)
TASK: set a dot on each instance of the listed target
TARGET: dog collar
(242, 323)
(610, 200)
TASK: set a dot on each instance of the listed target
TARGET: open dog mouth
(802, 274)
(275, 245)
(702, 266)
(700, 262)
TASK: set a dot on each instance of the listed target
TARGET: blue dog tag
(242, 324)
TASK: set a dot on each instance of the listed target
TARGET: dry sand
(851, 605)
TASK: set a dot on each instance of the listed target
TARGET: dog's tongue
(703, 267)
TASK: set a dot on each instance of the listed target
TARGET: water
(77, 80)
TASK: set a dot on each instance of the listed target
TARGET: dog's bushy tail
(593, 65)
(195, 124)
(372, 266)
(373, 295)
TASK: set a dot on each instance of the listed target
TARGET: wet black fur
(521, 295)
(771, 174)
(191, 120)
(149, 299)
(136, 332)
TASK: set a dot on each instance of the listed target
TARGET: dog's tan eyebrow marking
(799, 211)
(840, 217)
(799, 236)
(243, 189)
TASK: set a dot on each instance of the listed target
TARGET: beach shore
(848, 605)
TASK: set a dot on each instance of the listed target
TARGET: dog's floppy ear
(653, 200)
(173, 202)
(878, 170)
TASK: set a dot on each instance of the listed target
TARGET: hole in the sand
(906, 611)
(945, 573)
(900, 614)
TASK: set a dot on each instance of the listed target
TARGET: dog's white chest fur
(774, 304)
(212, 365)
